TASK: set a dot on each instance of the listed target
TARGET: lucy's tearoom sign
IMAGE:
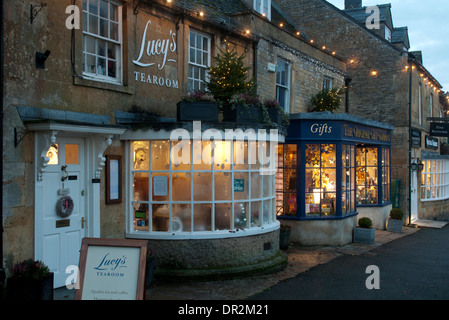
(112, 269)
(156, 53)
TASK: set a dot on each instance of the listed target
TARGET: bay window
(209, 195)
(435, 180)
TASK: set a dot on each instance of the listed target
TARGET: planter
(363, 235)
(242, 114)
(394, 225)
(30, 289)
(284, 238)
(275, 115)
(197, 111)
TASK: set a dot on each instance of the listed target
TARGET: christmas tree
(229, 76)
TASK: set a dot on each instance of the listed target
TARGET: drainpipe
(347, 83)
(2, 269)
(410, 61)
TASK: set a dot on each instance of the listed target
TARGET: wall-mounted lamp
(417, 166)
(40, 59)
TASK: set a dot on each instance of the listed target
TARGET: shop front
(205, 199)
(333, 169)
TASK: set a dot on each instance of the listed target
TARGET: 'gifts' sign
(112, 269)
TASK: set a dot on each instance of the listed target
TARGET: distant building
(388, 84)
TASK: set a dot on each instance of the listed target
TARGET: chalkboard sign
(112, 269)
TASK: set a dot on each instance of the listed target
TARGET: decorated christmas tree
(229, 76)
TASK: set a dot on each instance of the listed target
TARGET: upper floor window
(102, 40)
(327, 83)
(387, 34)
(199, 60)
(263, 7)
(283, 84)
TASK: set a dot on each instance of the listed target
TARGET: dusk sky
(428, 30)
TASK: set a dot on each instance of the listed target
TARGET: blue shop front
(333, 169)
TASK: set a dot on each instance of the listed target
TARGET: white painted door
(58, 237)
(414, 196)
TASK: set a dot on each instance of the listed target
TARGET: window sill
(99, 84)
(221, 234)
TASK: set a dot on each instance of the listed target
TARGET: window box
(197, 111)
(242, 114)
(275, 115)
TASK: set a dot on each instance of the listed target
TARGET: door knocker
(64, 170)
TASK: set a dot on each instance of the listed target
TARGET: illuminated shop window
(367, 175)
(435, 180)
(286, 180)
(320, 184)
(348, 176)
(220, 189)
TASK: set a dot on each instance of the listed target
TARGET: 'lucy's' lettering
(156, 48)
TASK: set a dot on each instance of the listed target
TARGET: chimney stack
(353, 4)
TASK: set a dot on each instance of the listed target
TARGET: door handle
(82, 222)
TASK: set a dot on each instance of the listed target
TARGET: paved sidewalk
(300, 259)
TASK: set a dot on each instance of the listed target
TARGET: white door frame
(96, 140)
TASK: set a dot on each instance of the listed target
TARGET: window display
(286, 180)
(348, 179)
(435, 180)
(320, 185)
(212, 194)
(367, 175)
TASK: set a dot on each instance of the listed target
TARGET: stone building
(388, 84)
(78, 161)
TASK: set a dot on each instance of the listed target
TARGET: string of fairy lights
(373, 72)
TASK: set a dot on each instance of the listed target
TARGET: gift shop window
(199, 60)
(205, 194)
(348, 176)
(367, 175)
(102, 40)
(321, 183)
(286, 180)
(386, 175)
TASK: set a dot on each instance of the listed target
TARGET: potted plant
(29, 280)
(327, 100)
(365, 232)
(395, 221)
(243, 108)
(284, 237)
(197, 105)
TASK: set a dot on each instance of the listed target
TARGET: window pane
(52, 154)
(223, 213)
(181, 186)
(223, 187)
(103, 9)
(182, 218)
(93, 24)
(140, 186)
(202, 217)
(161, 216)
(202, 182)
(256, 211)
(71, 154)
(240, 215)
(241, 193)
